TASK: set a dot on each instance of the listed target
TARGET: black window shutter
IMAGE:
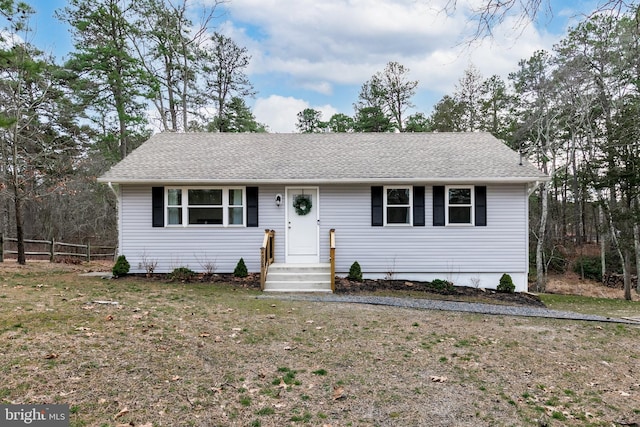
(438, 205)
(157, 206)
(418, 206)
(376, 206)
(481, 205)
(252, 206)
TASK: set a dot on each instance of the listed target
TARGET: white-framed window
(205, 206)
(459, 205)
(398, 205)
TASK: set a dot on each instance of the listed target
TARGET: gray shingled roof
(321, 158)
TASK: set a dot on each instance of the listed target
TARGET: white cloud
(9, 39)
(338, 40)
(278, 112)
(281, 113)
(305, 49)
(327, 111)
(346, 42)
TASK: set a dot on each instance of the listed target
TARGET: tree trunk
(123, 136)
(623, 253)
(17, 196)
(541, 279)
(170, 95)
(117, 89)
(636, 245)
(19, 230)
(626, 272)
(578, 207)
(185, 88)
(603, 245)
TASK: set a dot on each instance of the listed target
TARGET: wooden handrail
(267, 255)
(332, 257)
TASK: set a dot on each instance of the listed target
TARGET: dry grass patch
(571, 284)
(209, 355)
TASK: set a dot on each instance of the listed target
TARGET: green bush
(121, 267)
(241, 269)
(506, 284)
(590, 266)
(182, 274)
(355, 272)
(442, 285)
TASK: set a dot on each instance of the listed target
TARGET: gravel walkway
(468, 307)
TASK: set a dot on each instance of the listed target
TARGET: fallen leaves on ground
(338, 393)
(123, 412)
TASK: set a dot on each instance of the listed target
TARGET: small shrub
(121, 267)
(182, 274)
(241, 269)
(149, 264)
(590, 266)
(442, 285)
(506, 284)
(355, 272)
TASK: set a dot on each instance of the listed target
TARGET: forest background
(143, 66)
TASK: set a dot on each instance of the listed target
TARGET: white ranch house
(414, 206)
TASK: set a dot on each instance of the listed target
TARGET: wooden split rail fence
(52, 249)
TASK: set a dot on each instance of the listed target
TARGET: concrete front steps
(298, 278)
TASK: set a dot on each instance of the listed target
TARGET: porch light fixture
(278, 199)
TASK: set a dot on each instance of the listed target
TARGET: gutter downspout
(112, 189)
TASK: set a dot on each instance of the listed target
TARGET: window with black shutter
(460, 205)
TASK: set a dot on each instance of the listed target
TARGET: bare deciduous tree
(390, 91)
(488, 14)
(222, 63)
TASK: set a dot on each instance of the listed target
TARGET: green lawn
(589, 305)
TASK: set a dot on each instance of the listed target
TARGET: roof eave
(318, 181)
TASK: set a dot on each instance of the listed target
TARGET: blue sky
(316, 54)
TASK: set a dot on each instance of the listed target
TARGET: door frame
(287, 212)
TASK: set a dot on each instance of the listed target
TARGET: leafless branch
(492, 13)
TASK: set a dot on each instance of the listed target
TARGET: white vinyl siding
(452, 253)
(191, 247)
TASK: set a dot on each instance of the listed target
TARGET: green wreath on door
(302, 204)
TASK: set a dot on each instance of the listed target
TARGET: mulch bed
(455, 292)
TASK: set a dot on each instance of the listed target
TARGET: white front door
(302, 225)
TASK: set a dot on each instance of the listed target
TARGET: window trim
(385, 205)
(225, 206)
(472, 206)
